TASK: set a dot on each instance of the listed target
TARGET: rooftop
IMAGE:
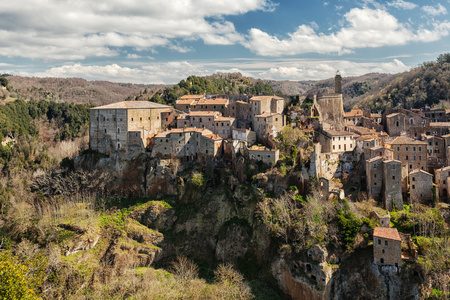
(134, 105)
(439, 124)
(261, 98)
(387, 233)
(402, 140)
(218, 101)
(419, 171)
(337, 132)
(353, 113)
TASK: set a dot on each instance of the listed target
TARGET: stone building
(268, 123)
(410, 152)
(436, 152)
(353, 117)
(387, 247)
(261, 153)
(441, 179)
(399, 121)
(420, 187)
(436, 114)
(384, 182)
(433, 128)
(260, 105)
(246, 135)
(329, 108)
(123, 127)
(189, 103)
(198, 119)
(334, 141)
(187, 144)
(380, 151)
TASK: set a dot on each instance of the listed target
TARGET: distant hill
(428, 84)
(354, 89)
(77, 90)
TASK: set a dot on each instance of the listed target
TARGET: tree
(19, 280)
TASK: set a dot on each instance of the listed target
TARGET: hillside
(354, 89)
(428, 84)
(76, 90)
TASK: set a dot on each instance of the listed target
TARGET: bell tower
(338, 83)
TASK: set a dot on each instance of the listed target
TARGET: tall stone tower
(338, 83)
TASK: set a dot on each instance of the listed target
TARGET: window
(118, 145)
(397, 124)
(398, 157)
(120, 120)
(393, 177)
(379, 242)
(420, 157)
(414, 179)
(420, 148)
(131, 119)
(385, 243)
(414, 148)
(105, 130)
(334, 147)
(393, 167)
(436, 143)
(407, 157)
(413, 186)
(140, 119)
(339, 147)
(429, 143)
(374, 166)
(167, 141)
(414, 157)
(374, 175)
(118, 130)
(407, 148)
(344, 138)
(398, 148)
(410, 166)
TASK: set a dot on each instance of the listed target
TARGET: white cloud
(366, 28)
(319, 70)
(174, 71)
(435, 11)
(54, 29)
(403, 4)
(133, 56)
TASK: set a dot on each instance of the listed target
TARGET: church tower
(338, 83)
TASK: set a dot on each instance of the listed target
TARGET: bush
(197, 179)
(17, 281)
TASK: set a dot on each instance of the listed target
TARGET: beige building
(261, 153)
(260, 105)
(400, 121)
(187, 144)
(334, 141)
(387, 247)
(384, 182)
(410, 152)
(380, 151)
(353, 117)
(123, 127)
(420, 187)
(442, 178)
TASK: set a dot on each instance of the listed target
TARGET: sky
(155, 41)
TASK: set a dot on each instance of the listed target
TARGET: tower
(338, 83)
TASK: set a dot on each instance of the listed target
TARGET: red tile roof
(353, 113)
(387, 233)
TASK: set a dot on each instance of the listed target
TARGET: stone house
(441, 179)
(436, 152)
(353, 117)
(436, 115)
(187, 144)
(420, 187)
(387, 247)
(187, 103)
(123, 127)
(266, 155)
(398, 121)
(268, 123)
(260, 105)
(223, 126)
(410, 152)
(384, 182)
(380, 151)
(334, 141)
(365, 143)
(434, 128)
(198, 119)
(242, 134)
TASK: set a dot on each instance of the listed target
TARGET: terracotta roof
(439, 124)
(266, 115)
(261, 98)
(353, 113)
(196, 113)
(186, 102)
(219, 101)
(393, 115)
(192, 97)
(133, 105)
(337, 132)
(387, 233)
(420, 171)
(224, 119)
(260, 148)
(401, 140)
(375, 115)
(212, 137)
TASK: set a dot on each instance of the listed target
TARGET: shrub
(197, 179)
